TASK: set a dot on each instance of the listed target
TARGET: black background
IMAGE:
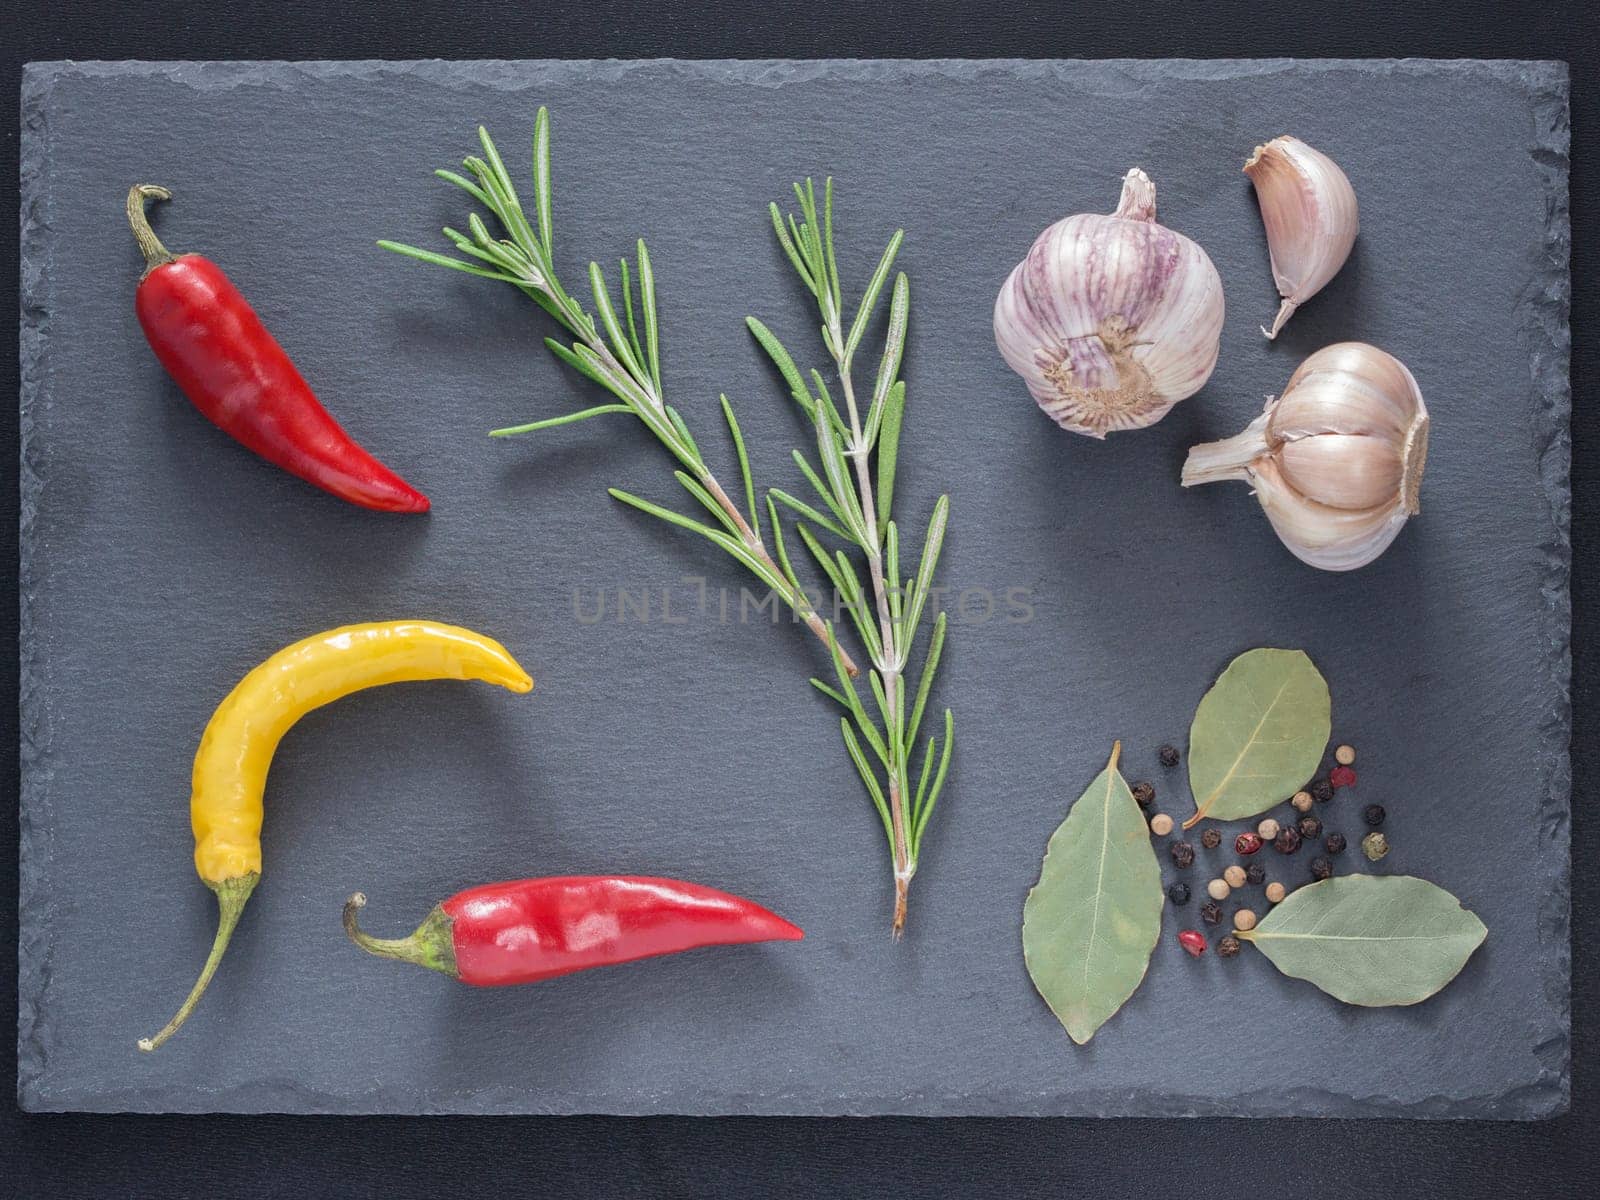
(65, 1155)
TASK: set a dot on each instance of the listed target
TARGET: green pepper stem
(431, 946)
(155, 254)
(231, 897)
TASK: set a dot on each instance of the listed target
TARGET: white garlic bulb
(1111, 320)
(1336, 461)
(1309, 210)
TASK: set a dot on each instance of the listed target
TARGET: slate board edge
(1546, 1096)
(1551, 339)
(33, 898)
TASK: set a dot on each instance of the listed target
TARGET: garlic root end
(1414, 457)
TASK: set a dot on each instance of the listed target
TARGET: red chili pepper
(212, 343)
(533, 929)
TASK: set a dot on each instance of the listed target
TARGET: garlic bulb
(1336, 461)
(1111, 320)
(1309, 209)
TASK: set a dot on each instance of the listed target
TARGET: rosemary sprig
(620, 351)
(849, 445)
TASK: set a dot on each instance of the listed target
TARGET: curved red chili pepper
(533, 929)
(217, 350)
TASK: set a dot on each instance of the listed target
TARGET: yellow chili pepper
(230, 767)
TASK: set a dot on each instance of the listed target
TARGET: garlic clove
(1336, 461)
(1319, 535)
(1111, 319)
(1342, 470)
(1311, 218)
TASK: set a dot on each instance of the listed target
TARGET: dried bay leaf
(1091, 922)
(1373, 940)
(1258, 734)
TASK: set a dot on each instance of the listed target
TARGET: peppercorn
(1246, 843)
(1287, 841)
(1373, 815)
(1228, 947)
(1211, 912)
(1193, 941)
(1145, 793)
(1178, 893)
(1321, 868)
(1218, 889)
(1211, 837)
(1342, 777)
(1169, 756)
(1268, 829)
(1182, 855)
(1344, 755)
(1301, 801)
(1310, 828)
(1161, 824)
(1244, 920)
(1374, 846)
(1276, 892)
(1322, 791)
(1255, 874)
(1234, 876)
(1334, 843)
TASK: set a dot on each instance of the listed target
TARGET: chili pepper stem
(431, 946)
(231, 897)
(155, 254)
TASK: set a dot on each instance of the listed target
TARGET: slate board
(159, 563)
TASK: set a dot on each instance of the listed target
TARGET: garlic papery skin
(1336, 461)
(1111, 320)
(1310, 213)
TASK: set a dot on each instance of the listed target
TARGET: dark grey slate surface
(160, 562)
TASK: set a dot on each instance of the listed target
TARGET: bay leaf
(1091, 922)
(1373, 940)
(1258, 735)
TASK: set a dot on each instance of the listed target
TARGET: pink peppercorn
(1193, 941)
(1342, 777)
(1247, 843)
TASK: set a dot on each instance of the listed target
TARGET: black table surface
(73, 1155)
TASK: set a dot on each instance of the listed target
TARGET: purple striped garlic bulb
(1111, 320)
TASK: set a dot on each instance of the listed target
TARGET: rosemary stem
(758, 547)
(889, 667)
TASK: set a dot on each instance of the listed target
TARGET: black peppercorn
(1334, 843)
(1255, 874)
(1373, 815)
(1211, 912)
(1182, 855)
(1228, 947)
(1321, 791)
(1178, 893)
(1211, 837)
(1287, 841)
(1321, 868)
(1169, 757)
(1310, 828)
(1145, 793)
